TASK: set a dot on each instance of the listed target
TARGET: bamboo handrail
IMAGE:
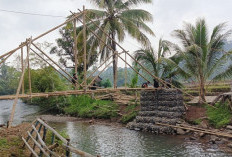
(37, 144)
(29, 147)
(76, 151)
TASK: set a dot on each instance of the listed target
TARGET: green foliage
(197, 121)
(84, 106)
(44, 80)
(9, 79)
(219, 117)
(135, 78)
(106, 83)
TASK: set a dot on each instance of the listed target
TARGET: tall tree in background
(117, 19)
(159, 64)
(202, 53)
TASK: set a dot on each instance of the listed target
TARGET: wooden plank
(28, 146)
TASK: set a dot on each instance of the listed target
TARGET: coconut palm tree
(117, 19)
(202, 54)
(159, 64)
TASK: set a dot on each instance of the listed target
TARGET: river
(116, 141)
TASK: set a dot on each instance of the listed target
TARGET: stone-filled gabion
(159, 106)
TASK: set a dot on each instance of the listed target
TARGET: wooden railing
(38, 144)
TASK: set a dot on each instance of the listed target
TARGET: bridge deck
(71, 92)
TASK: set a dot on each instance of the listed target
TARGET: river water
(117, 141)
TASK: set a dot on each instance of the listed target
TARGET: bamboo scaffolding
(115, 53)
(17, 94)
(41, 35)
(75, 46)
(159, 79)
(53, 61)
(51, 65)
(125, 73)
(2, 61)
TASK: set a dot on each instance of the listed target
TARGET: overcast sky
(168, 15)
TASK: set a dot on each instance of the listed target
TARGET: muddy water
(116, 141)
(23, 112)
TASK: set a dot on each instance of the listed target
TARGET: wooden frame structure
(36, 138)
(30, 45)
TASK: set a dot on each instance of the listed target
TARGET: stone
(229, 127)
(180, 131)
(137, 129)
(214, 138)
(192, 138)
(202, 134)
(229, 145)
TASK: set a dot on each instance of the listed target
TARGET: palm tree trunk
(202, 90)
(115, 60)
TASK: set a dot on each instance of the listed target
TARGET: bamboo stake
(17, 95)
(7, 57)
(125, 73)
(22, 69)
(28, 64)
(51, 65)
(53, 61)
(75, 47)
(84, 39)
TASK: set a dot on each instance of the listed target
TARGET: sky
(168, 15)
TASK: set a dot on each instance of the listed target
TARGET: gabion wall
(161, 105)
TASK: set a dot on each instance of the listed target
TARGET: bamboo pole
(53, 61)
(51, 65)
(75, 47)
(84, 39)
(29, 147)
(17, 94)
(125, 72)
(7, 57)
(28, 64)
(22, 69)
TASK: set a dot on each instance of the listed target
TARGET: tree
(203, 56)
(106, 83)
(9, 79)
(116, 18)
(159, 64)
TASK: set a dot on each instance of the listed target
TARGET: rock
(180, 131)
(229, 127)
(202, 134)
(214, 138)
(203, 124)
(137, 129)
(229, 145)
(192, 138)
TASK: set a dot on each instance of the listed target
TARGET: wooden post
(75, 47)
(28, 137)
(44, 137)
(28, 64)
(36, 138)
(67, 149)
(84, 39)
(125, 72)
(22, 69)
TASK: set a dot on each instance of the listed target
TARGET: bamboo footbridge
(81, 17)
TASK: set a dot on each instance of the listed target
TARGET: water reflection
(119, 142)
(21, 112)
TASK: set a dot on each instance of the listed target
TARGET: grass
(56, 140)
(3, 143)
(219, 117)
(84, 106)
(132, 113)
